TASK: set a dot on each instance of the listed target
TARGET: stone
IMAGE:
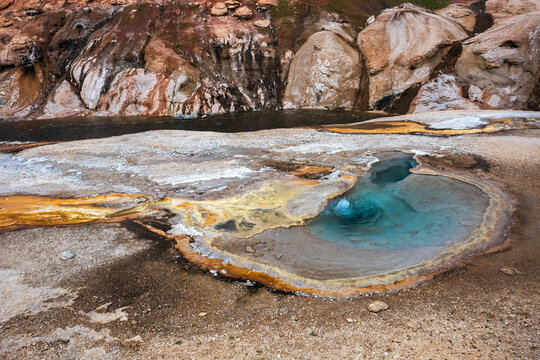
(102, 308)
(232, 4)
(202, 314)
(377, 306)
(243, 13)
(262, 23)
(502, 9)
(249, 249)
(264, 5)
(135, 339)
(219, 9)
(503, 63)
(325, 73)
(18, 49)
(442, 93)
(63, 102)
(461, 14)
(403, 47)
(67, 255)
(349, 320)
(511, 271)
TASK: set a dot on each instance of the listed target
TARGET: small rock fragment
(103, 308)
(377, 306)
(243, 13)
(136, 338)
(262, 23)
(349, 320)
(66, 255)
(219, 9)
(507, 270)
(278, 256)
(202, 314)
(249, 249)
(263, 5)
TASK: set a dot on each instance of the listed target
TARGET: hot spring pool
(391, 209)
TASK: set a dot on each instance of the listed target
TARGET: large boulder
(403, 47)
(325, 73)
(440, 94)
(462, 14)
(502, 65)
(502, 9)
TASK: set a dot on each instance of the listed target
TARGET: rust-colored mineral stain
(237, 272)
(20, 211)
(18, 147)
(410, 127)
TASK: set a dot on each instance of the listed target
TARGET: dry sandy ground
(157, 300)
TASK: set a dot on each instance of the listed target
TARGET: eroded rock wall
(184, 59)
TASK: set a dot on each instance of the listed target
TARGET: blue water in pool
(391, 208)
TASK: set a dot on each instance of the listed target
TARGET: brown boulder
(262, 23)
(264, 5)
(219, 9)
(502, 9)
(403, 47)
(232, 4)
(324, 73)
(503, 63)
(461, 14)
(243, 13)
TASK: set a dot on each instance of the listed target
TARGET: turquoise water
(391, 208)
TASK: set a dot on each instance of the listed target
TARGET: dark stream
(70, 129)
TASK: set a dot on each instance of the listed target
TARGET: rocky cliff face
(180, 58)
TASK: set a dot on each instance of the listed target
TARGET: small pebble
(103, 308)
(136, 338)
(66, 255)
(278, 256)
(349, 320)
(249, 249)
(202, 314)
(377, 306)
(507, 270)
